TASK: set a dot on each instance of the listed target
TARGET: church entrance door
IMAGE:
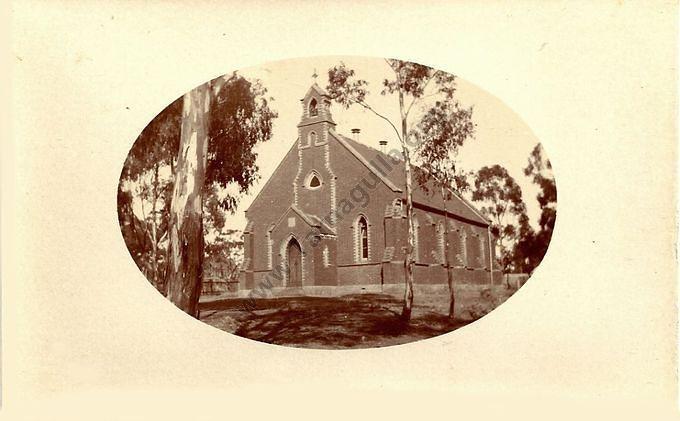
(294, 264)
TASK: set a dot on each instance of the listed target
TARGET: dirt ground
(350, 321)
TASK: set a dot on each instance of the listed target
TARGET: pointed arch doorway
(294, 254)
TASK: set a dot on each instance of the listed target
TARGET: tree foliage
(143, 186)
(157, 144)
(533, 245)
(501, 201)
(412, 84)
(441, 131)
(540, 171)
(222, 121)
(240, 117)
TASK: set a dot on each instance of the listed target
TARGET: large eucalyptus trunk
(408, 258)
(184, 270)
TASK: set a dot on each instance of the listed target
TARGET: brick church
(332, 219)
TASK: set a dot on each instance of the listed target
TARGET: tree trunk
(449, 275)
(408, 259)
(184, 271)
(154, 228)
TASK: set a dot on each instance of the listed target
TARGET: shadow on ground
(350, 321)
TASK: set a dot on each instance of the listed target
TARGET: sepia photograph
(337, 202)
(339, 210)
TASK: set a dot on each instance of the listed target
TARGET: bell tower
(316, 118)
(314, 185)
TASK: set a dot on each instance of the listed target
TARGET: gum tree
(153, 153)
(533, 245)
(411, 84)
(442, 130)
(222, 121)
(502, 203)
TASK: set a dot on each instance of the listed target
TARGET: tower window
(313, 110)
(313, 181)
(312, 138)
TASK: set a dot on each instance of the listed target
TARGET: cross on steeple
(314, 75)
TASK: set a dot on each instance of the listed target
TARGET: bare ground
(349, 321)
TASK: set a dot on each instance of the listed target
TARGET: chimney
(355, 134)
(383, 146)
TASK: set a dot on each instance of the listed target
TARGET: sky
(501, 136)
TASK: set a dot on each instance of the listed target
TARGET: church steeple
(314, 184)
(316, 106)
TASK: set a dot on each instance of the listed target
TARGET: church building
(332, 219)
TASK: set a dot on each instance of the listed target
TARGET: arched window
(313, 181)
(270, 245)
(313, 111)
(362, 243)
(312, 138)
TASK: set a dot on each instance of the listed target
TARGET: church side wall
(359, 192)
(468, 250)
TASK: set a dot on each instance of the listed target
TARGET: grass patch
(349, 321)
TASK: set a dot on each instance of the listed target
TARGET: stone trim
(270, 247)
(326, 257)
(416, 242)
(308, 179)
(296, 181)
(441, 242)
(332, 180)
(462, 241)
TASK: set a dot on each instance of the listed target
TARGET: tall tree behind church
(222, 121)
(502, 202)
(146, 181)
(439, 134)
(532, 245)
(409, 84)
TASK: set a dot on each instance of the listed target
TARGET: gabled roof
(316, 88)
(314, 221)
(311, 220)
(361, 153)
(395, 178)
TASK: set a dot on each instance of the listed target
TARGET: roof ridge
(348, 142)
(377, 151)
(318, 89)
(303, 215)
(340, 138)
(460, 197)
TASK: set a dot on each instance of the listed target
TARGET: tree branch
(408, 110)
(368, 107)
